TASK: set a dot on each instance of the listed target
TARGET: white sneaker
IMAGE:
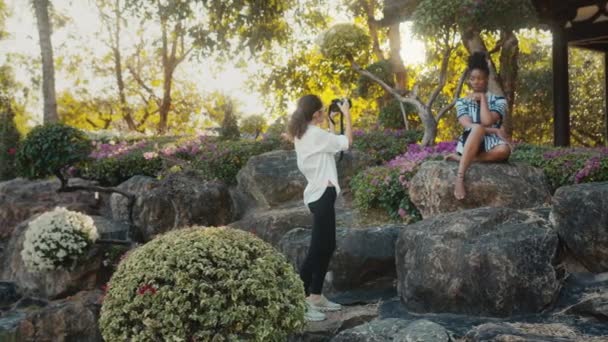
(313, 315)
(324, 304)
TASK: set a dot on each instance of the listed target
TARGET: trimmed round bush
(57, 239)
(203, 284)
(344, 41)
(49, 149)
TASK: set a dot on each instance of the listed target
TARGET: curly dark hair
(308, 105)
(478, 60)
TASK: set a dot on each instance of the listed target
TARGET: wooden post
(561, 93)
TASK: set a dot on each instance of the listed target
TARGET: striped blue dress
(469, 107)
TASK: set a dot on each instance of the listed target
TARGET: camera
(335, 103)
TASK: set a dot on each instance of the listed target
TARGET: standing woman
(481, 114)
(315, 150)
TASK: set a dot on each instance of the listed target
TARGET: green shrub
(115, 170)
(203, 284)
(9, 141)
(384, 145)
(385, 187)
(49, 149)
(224, 160)
(391, 116)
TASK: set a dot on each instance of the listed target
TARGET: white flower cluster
(57, 239)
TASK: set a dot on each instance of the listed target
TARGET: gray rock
(423, 331)
(488, 261)
(21, 199)
(336, 322)
(580, 216)
(509, 185)
(8, 294)
(138, 186)
(273, 224)
(72, 319)
(384, 330)
(361, 255)
(180, 200)
(273, 179)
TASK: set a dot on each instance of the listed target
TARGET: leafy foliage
(230, 127)
(51, 148)
(203, 284)
(384, 145)
(344, 41)
(253, 125)
(381, 69)
(9, 141)
(432, 17)
(115, 170)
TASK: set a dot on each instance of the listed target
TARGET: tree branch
(442, 76)
(456, 96)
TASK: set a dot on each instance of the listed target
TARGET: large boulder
(91, 272)
(489, 261)
(580, 216)
(136, 185)
(362, 255)
(272, 225)
(273, 179)
(21, 199)
(71, 319)
(517, 186)
(182, 199)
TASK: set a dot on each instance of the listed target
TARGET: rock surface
(526, 332)
(182, 199)
(273, 179)
(347, 318)
(361, 255)
(487, 261)
(517, 186)
(70, 319)
(580, 216)
(273, 224)
(21, 199)
(394, 329)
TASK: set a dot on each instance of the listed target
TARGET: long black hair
(478, 61)
(308, 105)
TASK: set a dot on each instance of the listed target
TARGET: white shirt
(315, 153)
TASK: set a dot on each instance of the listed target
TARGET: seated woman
(481, 114)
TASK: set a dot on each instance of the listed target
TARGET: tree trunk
(508, 74)
(124, 106)
(473, 43)
(394, 38)
(430, 129)
(165, 106)
(41, 7)
(373, 29)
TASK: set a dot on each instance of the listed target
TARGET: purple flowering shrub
(113, 163)
(386, 187)
(565, 166)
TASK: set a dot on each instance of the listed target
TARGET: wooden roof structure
(577, 23)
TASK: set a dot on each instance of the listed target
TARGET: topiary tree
(50, 149)
(345, 41)
(203, 284)
(9, 140)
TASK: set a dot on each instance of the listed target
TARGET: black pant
(322, 243)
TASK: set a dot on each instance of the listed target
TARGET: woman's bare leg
(497, 154)
(469, 152)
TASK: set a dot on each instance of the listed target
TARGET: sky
(23, 39)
